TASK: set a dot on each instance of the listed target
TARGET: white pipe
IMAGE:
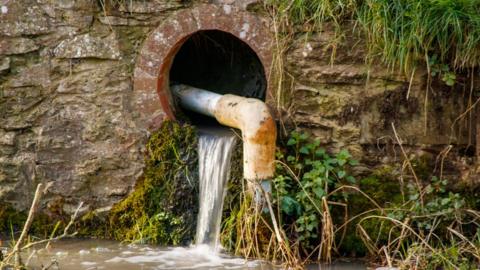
(250, 115)
(195, 99)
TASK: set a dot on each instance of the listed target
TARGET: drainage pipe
(250, 115)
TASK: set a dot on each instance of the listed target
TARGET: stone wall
(65, 90)
(67, 118)
(350, 103)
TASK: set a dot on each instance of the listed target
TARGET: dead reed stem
(407, 160)
(19, 247)
(26, 227)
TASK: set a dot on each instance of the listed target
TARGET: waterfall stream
(215, 149)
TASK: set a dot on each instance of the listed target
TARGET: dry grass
(13, 258)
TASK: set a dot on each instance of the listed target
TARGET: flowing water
(215, 148)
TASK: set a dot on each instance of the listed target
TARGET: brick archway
(151, 77)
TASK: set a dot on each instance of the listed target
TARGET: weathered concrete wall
(66, 112)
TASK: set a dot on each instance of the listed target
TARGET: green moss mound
(164, 205)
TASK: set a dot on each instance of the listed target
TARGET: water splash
(215, 148)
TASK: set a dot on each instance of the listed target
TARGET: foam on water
(100, 254)
(195, 257)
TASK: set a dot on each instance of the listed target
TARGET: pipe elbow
(250, 115)
(253, 118)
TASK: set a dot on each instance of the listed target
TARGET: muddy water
(101, 254)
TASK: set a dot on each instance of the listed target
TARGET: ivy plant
(305, 175)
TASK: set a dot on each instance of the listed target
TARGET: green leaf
(353, 162)
(341, 174)
(449, 78)
(290, 206)
(304, 150)
(291, 141)
(320, 192)
(303, 136)
(351, 179)
(320, 152)
(445, 201)
(343, 154)
(429, 189)
(301, 220)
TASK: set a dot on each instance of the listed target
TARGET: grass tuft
(401, 32)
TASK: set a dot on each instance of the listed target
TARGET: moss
(164, 205)
(93, 225)
(381, 186)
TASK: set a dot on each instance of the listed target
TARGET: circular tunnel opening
(220, 62)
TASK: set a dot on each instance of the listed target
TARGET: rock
(4, 64)
(7, 138)
(76, 19)
(114, 20)
(17, 45)
(150, 6)
(89, 46)
(323, 100)
(352, 74)
(36, 75)
(73, 4)
(243, 4)
(23, 18)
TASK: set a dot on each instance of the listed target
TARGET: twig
(28, 223)
(424, 242)
(326, 243)
(18, 245)
(65, 233)
(48, 266)
(407, 160)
